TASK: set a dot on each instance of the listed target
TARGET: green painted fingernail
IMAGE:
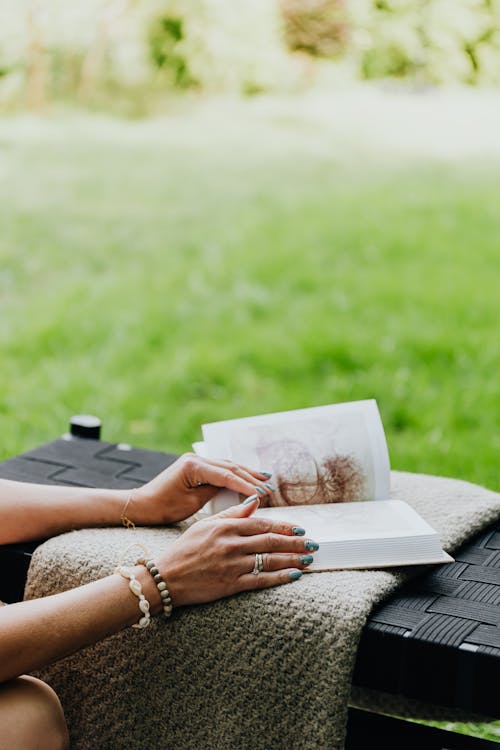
(311, 546)
(270, 486)
(250, 499)
(261, 490)
(265, 474)
(298, 531)
(295, 575)
(306, 559)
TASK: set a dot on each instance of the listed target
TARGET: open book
(325, 462)
(326, 454)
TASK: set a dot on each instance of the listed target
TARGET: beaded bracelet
(166, 599)
(136, 588)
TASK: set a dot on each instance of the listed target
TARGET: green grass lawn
(227, 261)
(221, 263)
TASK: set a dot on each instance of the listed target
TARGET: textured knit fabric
(260, 671)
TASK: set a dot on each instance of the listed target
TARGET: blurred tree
(320, 28)
(93, 61)
(432, 41)
(221, 46)
(36, 59)
(96, 50)
(165, 35)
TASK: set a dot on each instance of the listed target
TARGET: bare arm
(39, 632)
(35, 511)
(214, 558)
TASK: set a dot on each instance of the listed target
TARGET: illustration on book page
(312, 460)
(324, 454)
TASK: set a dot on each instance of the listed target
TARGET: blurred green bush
(97, 50)
(218, 45)
(430, 41)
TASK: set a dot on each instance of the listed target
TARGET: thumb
(243, 510)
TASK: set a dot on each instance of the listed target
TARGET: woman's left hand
(185, 486)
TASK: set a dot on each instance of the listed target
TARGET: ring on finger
(259, 564)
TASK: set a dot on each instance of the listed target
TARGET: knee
(34, 716)
(48, 714)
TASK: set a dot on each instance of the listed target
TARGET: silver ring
(259, 564)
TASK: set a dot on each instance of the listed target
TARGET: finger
(219, 476)
(263, 475)
(249, 581)
(280, 561)
(260, 525)
(241, 471)
(276, 543)
(243, 510)
(258, 479)
(267, 486)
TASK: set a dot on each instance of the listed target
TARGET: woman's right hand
(212, 559)
(215, 557)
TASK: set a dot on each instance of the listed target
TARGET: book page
(374, 534)
(390, 519)
(325, 454)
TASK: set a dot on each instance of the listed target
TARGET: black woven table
(437, 640)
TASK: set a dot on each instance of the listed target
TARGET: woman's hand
(185, 486)
(215, 557)
(37, 511)
(212, 559)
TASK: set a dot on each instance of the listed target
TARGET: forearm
(38, 632)
(35, 511)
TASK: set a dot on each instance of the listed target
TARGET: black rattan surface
(86, 463)
(437, 640)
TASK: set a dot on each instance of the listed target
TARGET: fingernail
(250, 500)
(261, 490)
(311, 546)
(270, 486)
(295, 575)
(306, 559)
(298, 531)
(265, 474)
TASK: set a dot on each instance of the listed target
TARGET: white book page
(334, 453)
(344, 522)
(364, 535)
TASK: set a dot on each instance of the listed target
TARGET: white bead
(162, 586)
(135, 587)
(143, 622)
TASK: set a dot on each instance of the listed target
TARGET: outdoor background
(212, 209)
